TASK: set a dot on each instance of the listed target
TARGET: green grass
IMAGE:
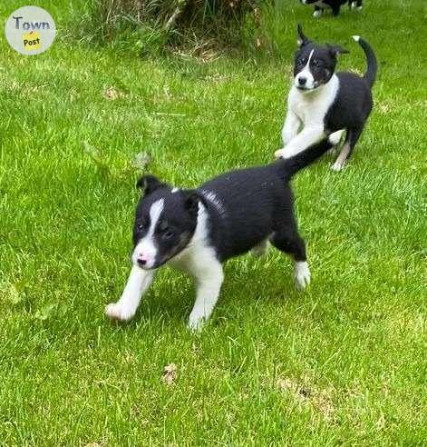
(344, 363)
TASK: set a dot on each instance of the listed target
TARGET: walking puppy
(322, 102)
(335, 5)
(198, 230)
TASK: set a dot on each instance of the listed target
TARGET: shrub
(156, 23)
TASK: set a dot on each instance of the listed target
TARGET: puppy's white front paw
(317, 14)
(280, 153)
(302, 274)
(196, 322)
(337, 166)
(116, 311)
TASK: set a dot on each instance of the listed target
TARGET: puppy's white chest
(312, 107)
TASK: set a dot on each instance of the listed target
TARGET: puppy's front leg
(209, 280)
(305, 139)
(138, 282)
(290, 127)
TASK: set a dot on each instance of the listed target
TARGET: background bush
(155, 24)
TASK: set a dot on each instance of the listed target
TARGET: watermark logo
(30, 30)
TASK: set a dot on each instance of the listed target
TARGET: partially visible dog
(322, 103)
(335, 5)
(198, 230)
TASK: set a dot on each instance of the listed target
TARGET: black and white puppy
(198, 230)
(335, 5)
(321, 103)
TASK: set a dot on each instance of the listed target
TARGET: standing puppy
(198, 230)
(334, 5)
(321, 102)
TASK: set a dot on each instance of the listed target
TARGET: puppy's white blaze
(302, 274)
(356, 38)
(145, 246)
(306, 73)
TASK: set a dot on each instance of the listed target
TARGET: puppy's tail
(371, 73)
(290, 166)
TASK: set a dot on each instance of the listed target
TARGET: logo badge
(30, 30)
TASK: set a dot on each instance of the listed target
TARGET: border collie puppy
(321, 102)
(334, 5)
(197, 230)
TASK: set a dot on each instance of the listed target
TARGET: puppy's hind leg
(289, 241)
(356, 4)
(351, 139)
(336, 10)
(317, 12)
(335, 139)
(260, 249)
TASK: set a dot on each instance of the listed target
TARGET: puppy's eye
(168, 234)
(300, 61)
(141, 226)
(316, 63)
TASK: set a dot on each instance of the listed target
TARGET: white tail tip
(356, 38)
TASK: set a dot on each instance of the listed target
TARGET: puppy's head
(314, 64)
(165, 222)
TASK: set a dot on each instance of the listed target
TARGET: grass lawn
(343, 363)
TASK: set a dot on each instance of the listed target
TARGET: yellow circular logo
(30, 30)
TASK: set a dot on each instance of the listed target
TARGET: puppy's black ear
(335, 50)
(302, 38)
(149, 183)
(191, 200)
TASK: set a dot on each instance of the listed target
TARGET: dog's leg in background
(356, 4)
(305, 139)
(336, 10)
(290, 127)
(335, 139)
(289, 241)
(317, 12)
(351, 139)
(260, 249)
(138, 282)
(209, 277)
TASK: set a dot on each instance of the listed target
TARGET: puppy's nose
(142, 260)
(302, 81)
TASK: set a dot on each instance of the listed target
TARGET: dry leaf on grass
(170, 374)
(321, 400)
(112, 93)
(141, 160)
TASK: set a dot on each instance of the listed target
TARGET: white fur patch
(356, 38)
(305, 73)
(310, 108)
(335, 138)
(200, 261)
(174, 190)
(212, 197)
(145, 247)
(302, 274)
